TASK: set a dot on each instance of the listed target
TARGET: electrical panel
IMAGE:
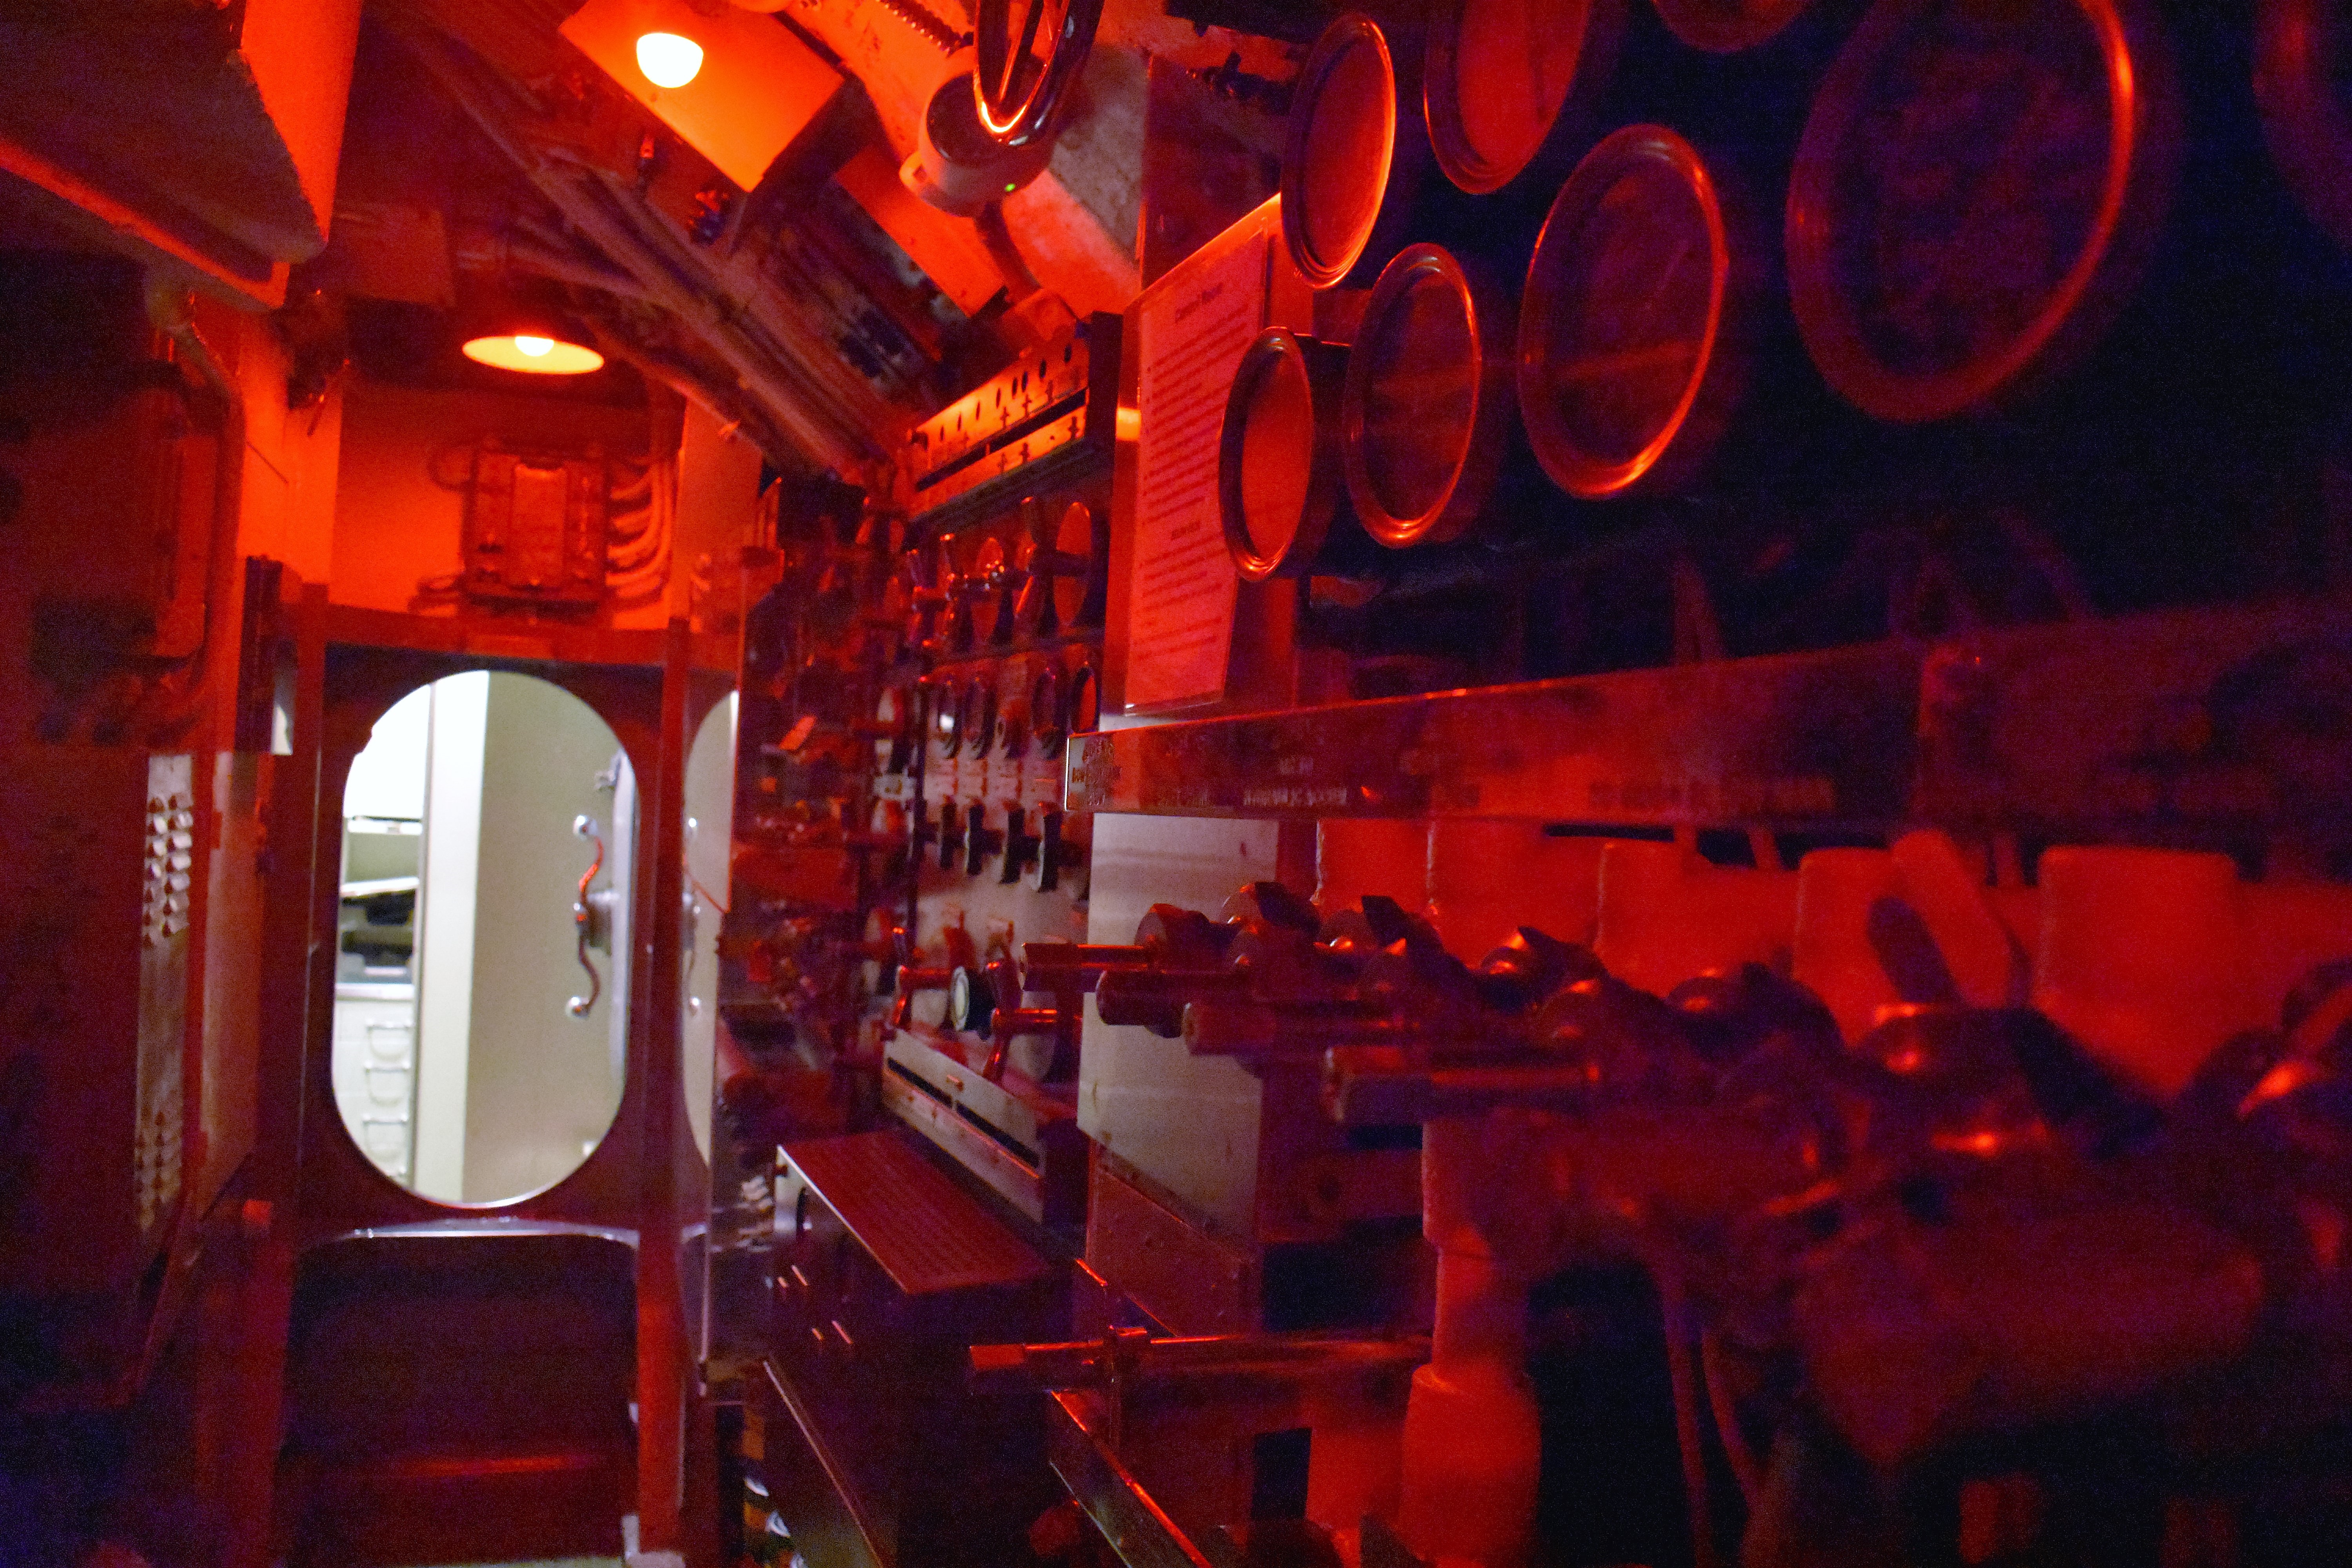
(99, 889)
(535, 528)
(127, 829)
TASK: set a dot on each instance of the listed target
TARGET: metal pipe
(175, 698)
(736, 299)
(685, 292)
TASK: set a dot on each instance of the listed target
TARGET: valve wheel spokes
(1019, 91)
(1013, 58)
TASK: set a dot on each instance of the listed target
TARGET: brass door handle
(591, 918)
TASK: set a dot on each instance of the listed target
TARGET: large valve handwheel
(1031, 52)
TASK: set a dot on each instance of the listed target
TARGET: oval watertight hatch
(460, 1066)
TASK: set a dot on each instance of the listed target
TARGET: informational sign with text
(1182, 592)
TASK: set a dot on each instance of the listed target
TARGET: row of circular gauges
(1976, 192)
(975, 719)
(959, 596)
(1498, 71)
(1618, 377)
(1508, 90)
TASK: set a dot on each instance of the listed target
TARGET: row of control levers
(1961, 1186)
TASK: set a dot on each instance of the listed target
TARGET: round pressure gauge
(1353, 155)
(2303, 82)
(1425, 419)
(1508, 85)
(1975, 195)
(1280, 487)
(1628, 358)
(1724, 26)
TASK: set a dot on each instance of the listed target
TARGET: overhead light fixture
(533, 354)
(739, 88)
(668, 59)
(508, 334)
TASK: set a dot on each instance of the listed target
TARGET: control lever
(905, 733)
(591, 918)
(951, 835)
(989, 1002)
(930, 589)
(891, 951)
(1177, 953)
(1123, 1357)
(1061, 566)
(935, 719)
(1021, 846)
(927, 828)
(1051, 850)
(1181, 956)
(962, 634)
(912, 978)
(1049, 722)
(993, 573)
(980, 841)
(976, 717)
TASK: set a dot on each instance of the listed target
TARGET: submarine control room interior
(1175, 784)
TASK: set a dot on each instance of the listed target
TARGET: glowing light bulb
(534, 353)
(668, 59)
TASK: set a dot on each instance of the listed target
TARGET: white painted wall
(542, 1086)
(388, 779)
(446, 930)
(711, 818)
(512, 1092)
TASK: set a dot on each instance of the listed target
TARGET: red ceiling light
(533, 354)
(738, 87)
(506, 334)
(668, 59)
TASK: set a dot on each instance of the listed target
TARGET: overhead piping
(170, 704)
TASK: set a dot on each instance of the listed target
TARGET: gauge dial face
(1421, 396)
(1962, 181)
(2303, 82)
(1624, 301)
(1502, 72)
(1340, 148)
(1722, 27)
(1278, 459)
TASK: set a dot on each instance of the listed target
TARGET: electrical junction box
(535, 530)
